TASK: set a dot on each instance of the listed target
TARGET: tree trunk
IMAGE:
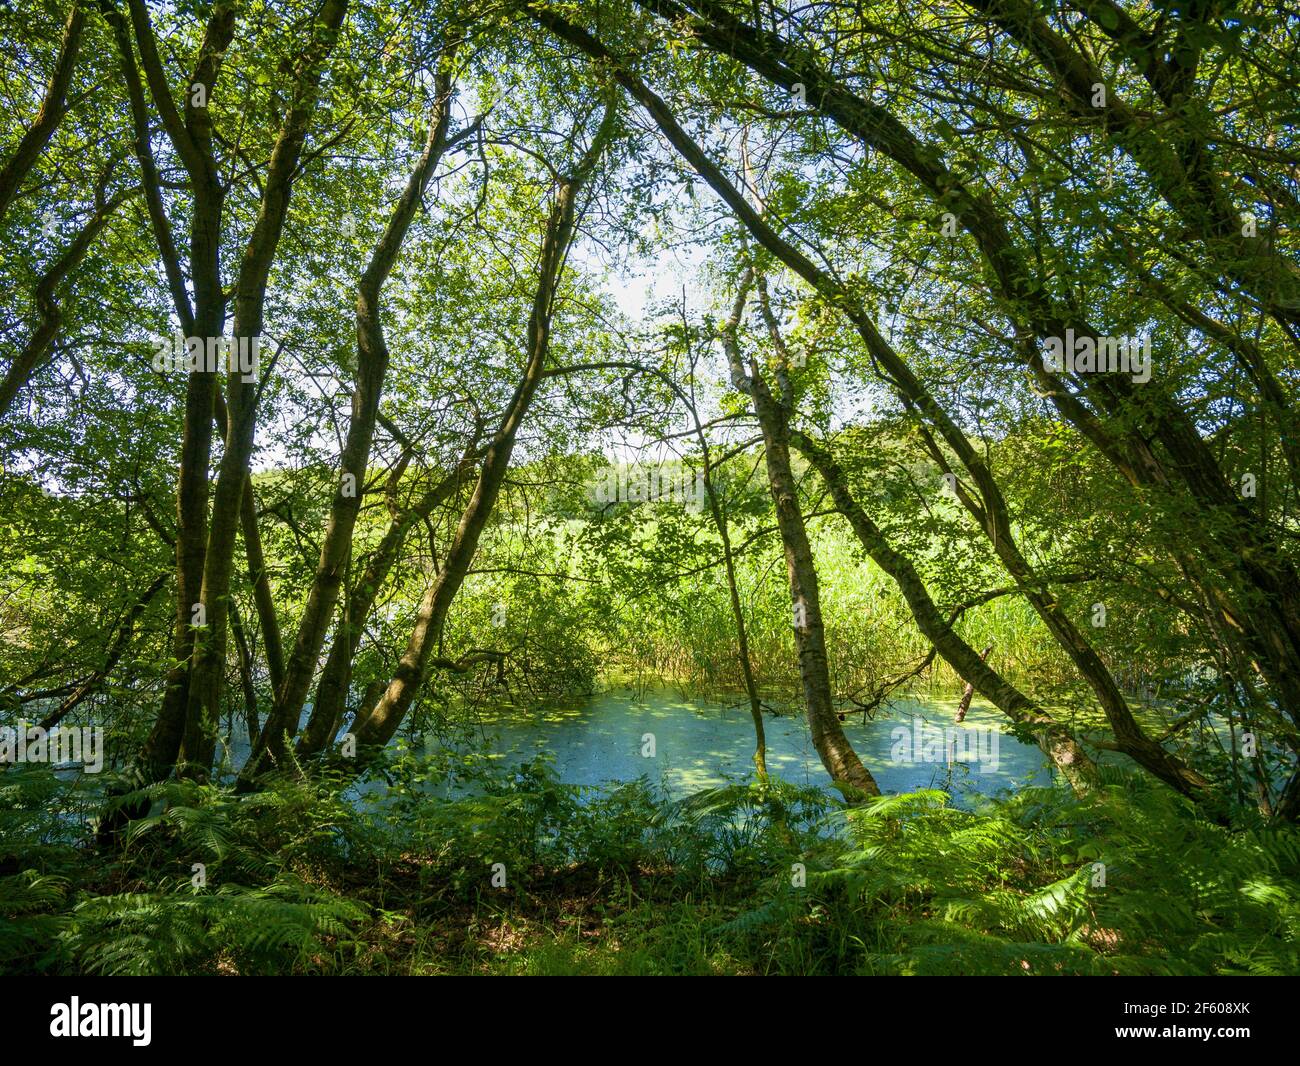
(336, 678)
(53, 108)
(737, 611)
(375, 729)
(1065, 752)
(833, 747)
(372, 366)
(208, 664)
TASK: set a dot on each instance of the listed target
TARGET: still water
(687, 744)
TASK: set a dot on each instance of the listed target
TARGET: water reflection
(701, 744)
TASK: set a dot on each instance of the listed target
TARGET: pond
(688, 743)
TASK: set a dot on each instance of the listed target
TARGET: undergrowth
(460, 866)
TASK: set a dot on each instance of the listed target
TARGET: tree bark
(49, 314)
(331, 690)
(207, 666)
(1075, 765)
(833, 747)
(372, 366)
(376, 728)
(53, 108)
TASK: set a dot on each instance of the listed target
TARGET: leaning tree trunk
(372, 367)
(1056, 741)
(833, 747)
(376, 727)
(737, 610)
(53, 107)
(207, 667)
(331, 690)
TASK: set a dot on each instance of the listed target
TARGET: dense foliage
(747, 878)
(364, 365)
